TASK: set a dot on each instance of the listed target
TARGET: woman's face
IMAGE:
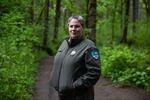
(75, 28)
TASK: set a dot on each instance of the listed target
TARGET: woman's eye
(71, 26)
(75, 26)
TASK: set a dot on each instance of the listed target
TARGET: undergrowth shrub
(17, 58)
(126, 66)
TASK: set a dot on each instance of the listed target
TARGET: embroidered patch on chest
(73, 53)
(95, 54)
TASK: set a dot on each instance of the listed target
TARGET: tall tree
(32, 11)
(87, 15)
(113, 20)
(147, 7)
(57, 19)
(46, 19)
(121, 14)
(92, 19)
(65, 10)
(40, 15)
(135, 14)
(125, 28)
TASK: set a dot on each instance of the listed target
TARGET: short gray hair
(78, 17)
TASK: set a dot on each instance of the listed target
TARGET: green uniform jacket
(76, 69)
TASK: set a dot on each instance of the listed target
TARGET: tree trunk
(113, 21)
(40, 15)
(87, 14)
(46, 19)
(122, 15)
(135, 14)
(92, 20)
(64, 17)
(125, 28)
(57, 19)
(31, 10)
(147, 7)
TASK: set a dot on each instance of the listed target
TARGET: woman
(76, 66)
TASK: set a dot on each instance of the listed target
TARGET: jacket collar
(74, 42)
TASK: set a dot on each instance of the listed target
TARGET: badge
(73, 53)
(95, 54)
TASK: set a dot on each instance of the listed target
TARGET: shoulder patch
(95, 54)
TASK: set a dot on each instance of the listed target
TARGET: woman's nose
(73, 27)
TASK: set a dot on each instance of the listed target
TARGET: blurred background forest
(32, 29)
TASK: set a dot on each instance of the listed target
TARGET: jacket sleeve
(92, 64)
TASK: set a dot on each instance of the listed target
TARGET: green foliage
(6, 6)
(54, 45)
(74, 7)
(17, 58)
(143, 34)
(126, 66)
(104, 32)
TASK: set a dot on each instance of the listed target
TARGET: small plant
(17, 58)
(126, 66)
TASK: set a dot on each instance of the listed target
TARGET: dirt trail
(104, 90)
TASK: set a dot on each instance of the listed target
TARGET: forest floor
(104, 89)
